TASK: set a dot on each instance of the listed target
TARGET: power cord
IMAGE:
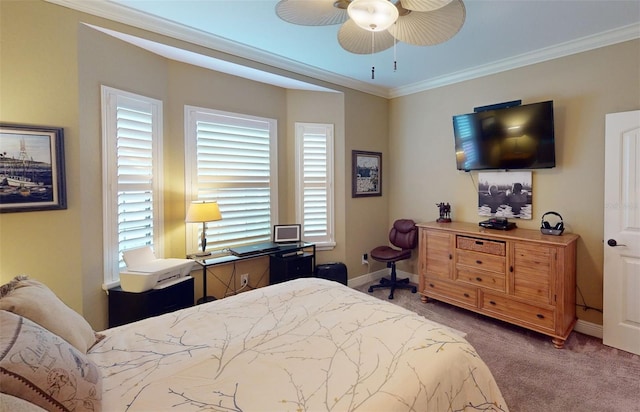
(473, 182)
(584, 306)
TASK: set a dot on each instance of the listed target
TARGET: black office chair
(403, 235)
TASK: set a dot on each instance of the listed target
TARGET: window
(314, 182)
(131, 177)
(231, 158)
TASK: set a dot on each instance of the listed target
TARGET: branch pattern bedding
(303, 345)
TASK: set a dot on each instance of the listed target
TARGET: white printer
(145, 271)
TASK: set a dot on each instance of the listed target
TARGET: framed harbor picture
(367, 173)
(31, 168)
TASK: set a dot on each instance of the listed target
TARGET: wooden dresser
(519, 276)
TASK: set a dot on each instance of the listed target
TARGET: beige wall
(315, 107)
(51, 67)
(367, 218)
(584, 87)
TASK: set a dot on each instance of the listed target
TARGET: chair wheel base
(394, 284)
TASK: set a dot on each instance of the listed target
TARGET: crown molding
(583, 44)
(134, 18)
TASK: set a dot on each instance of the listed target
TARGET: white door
(621, 328)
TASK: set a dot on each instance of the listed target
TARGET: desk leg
(205, 298)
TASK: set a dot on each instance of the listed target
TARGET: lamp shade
(373, 15)
(201, 211)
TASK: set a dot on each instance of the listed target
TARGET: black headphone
(547, 229)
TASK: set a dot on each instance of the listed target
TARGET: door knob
(613, 243)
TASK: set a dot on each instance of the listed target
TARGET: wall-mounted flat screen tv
(518, 137)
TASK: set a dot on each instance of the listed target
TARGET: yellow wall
(584, 87)
(39, 85)
(51, 67)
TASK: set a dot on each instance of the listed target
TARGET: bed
(303, 345)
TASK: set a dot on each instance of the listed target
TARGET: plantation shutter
(234, 163)
(314, 182)
(132, 179)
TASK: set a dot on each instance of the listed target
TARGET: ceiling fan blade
(357, 40)
(432, 27)
(313, 12)
(424, 5)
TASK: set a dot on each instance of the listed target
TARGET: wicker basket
(481, 245)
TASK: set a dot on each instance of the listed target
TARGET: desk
(286, 251)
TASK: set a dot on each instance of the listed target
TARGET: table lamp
(203, 211)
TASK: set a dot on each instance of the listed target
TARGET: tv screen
(520, 137)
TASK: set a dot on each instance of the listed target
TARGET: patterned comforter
(303, 345)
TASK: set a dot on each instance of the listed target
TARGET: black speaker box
(333, 271)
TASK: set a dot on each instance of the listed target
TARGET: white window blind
(132, 182)
(231, 158)
(314, 182)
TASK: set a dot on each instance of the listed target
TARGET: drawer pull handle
(431, 285)
(511, 269)
(450, 256)
(479, 279)
(466, 295)
(479, 262)
(540, 316)
(479, 243)
(492, 302)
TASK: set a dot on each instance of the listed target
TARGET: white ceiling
(497, 35)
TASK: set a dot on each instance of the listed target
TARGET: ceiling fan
(371, 26)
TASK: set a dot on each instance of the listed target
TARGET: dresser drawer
(450, 291)
(518, 312)
(481, 261)
(482, 279)
(493, 247)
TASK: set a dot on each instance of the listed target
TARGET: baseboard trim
(587, 328)
(377, 275)
(366, 278)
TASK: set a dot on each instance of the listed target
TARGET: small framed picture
(367, 173)
(31, 168)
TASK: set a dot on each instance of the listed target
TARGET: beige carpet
(585, 376)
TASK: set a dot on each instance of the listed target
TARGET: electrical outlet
(365, 258)
(244, 279)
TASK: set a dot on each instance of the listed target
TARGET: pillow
(42, 368)
(36, 302)
(13, 404)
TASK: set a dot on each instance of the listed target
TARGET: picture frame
(366, 177)
(505, 194)
(32, 169)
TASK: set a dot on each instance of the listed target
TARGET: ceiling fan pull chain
(395, 54)
(373, 50)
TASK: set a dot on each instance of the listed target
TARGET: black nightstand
(283, 268)
(127, 307)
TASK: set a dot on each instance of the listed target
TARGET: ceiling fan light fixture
(373, 15)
